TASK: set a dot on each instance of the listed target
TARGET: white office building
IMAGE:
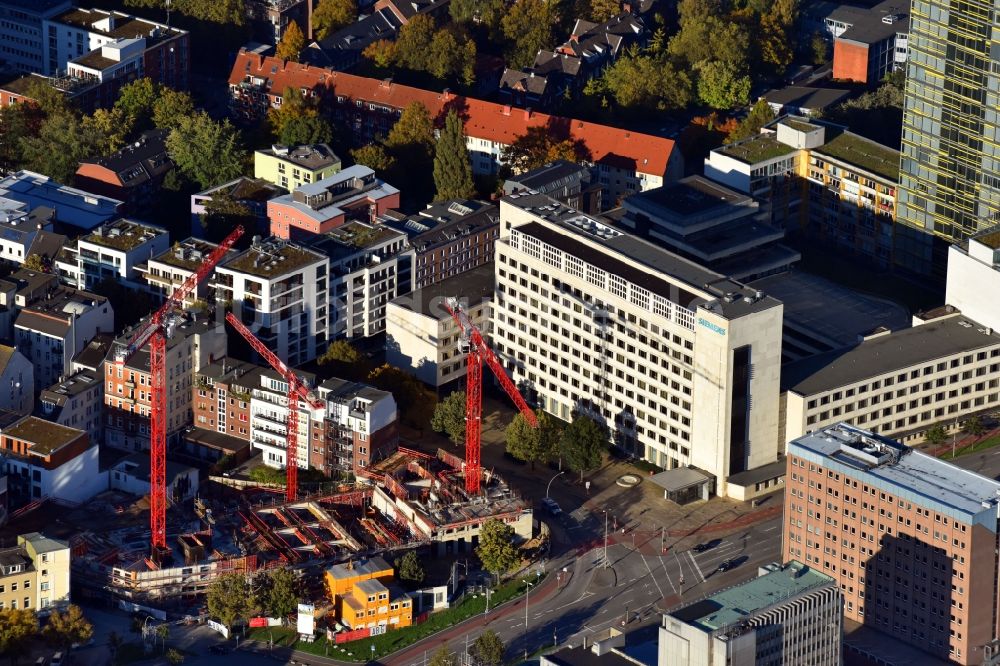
(115, 251)
(280, 290)
(681, 363)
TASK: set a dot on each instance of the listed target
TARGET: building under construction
(410, 499)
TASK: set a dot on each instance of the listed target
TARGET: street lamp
(526, 592)
(550, 483)
(605, 538)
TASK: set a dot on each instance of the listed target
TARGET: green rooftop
(44, 436)
(757, 149)
(799, 125)
(123, 234)
(738, 603)
(272, 263)
(189, 254)
(863, 153)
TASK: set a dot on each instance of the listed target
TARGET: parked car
(700, 548)
(552, 506)
(728, 564)
(57, 659)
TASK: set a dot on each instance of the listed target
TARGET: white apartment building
(17, 381)
(191, 345)
(421, 336)
(114, 250)
(789, 614)
(681, 363)
(269, 418)
(167, 271)
(56, 327)
(973, 276)
(369, 266)
(21, 24)
(76, 402)
(280, 290)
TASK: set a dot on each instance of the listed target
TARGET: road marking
(697, 569)
(770, 529)
(658, 589)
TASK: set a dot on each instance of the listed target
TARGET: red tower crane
(297, 390)
(155, 332)
(477, 354)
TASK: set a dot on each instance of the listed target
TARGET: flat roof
(906, 472)
(472, 287)
(354, 569)
(313, 157)
(756, 149)
(886, 354)
(124, 234)
(74, 207)
(371, 587)
(989, 237)
(42, 543)
(214, 439)
(551, 175)
(45, 436)
(272, 258)
(680, 478)
(802, 97)
(188, 254)
(862, 153)
(75, 384)
(690, 196)
(740, 602)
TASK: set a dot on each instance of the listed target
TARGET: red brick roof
(621, 148)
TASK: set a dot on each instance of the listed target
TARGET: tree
(136, 100)
(106, 130)
(374, 156)
(162, 632)
(34, 262)
(760, 114)
(413, 45)
(414, 128)
(174, 656)
(445, 55)
(705, 34)
(452, 165)
(487, 13)
(413, 399)
(332, 15)
(974, 426)
(17, 122)
(443, 657)
(411, 144)
(488, 649)
(68, 627)
(641, 80)
(529, 25)
(59, 148)
(205, 151)
(530, 444)
(496, 548)
(604, 10)
(230, 599)
(935, 435)
(170, 106)
(282, 592)
(720, 85)
(537, 146)
(294, 106)
(292, 43)
(583, 443)
(449, 417)
(820, 49)
(17, 626)
(408, 568)
(382, 52)
(305, 130)
(341, 352)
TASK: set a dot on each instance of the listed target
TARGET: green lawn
(981, 445)
(392, 641)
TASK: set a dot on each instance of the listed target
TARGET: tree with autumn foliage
(537, 147)
(329, 16)
(292, 43)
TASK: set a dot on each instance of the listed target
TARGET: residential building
(282, 290)
(192, 344)
(270, 18)
(76, 402)
(133, 174)
(341, 578)
(869, 42)
(81, 93)
(626, 161)
(47, 246)
(421, 336)
(17, 381)
(131, 475)
(572, 184)
(898, 383)
(19, 289)
(973, 274)
(45, 460)
(251, 193)
(269, 416)
(593, 320)
(74, 210)
(19, 227)
(916, 538)
(21, 32)
(948, 187)
(459, 238)
(788, 614)
(166, 272)
(564, 71)
(52, 330)
(372, 604)
(221, 396)
(361, 426)
(804, 100)
(292, 166)
(322, 206)
(112, 251)
(369, 266)
(818, 179)
(35, 574)
(713, 226)
(114, 48)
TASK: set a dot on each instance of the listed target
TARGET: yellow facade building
(293, 166)
(35, 574)
(371, 604)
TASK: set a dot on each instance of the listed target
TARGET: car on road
(728, 564)
(552, 506)
(57, 659)
(700, 548)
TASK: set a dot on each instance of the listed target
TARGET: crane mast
(155, 332)
(297, 391)
(478, 353)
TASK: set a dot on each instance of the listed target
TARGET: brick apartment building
(133, 174)
(626, 161)
(460, 241)
(910, 538)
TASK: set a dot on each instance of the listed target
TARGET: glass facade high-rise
(950, 164)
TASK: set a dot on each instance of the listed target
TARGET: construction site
(408, 500)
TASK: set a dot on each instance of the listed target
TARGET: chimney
(527, 113)
(506, 110)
